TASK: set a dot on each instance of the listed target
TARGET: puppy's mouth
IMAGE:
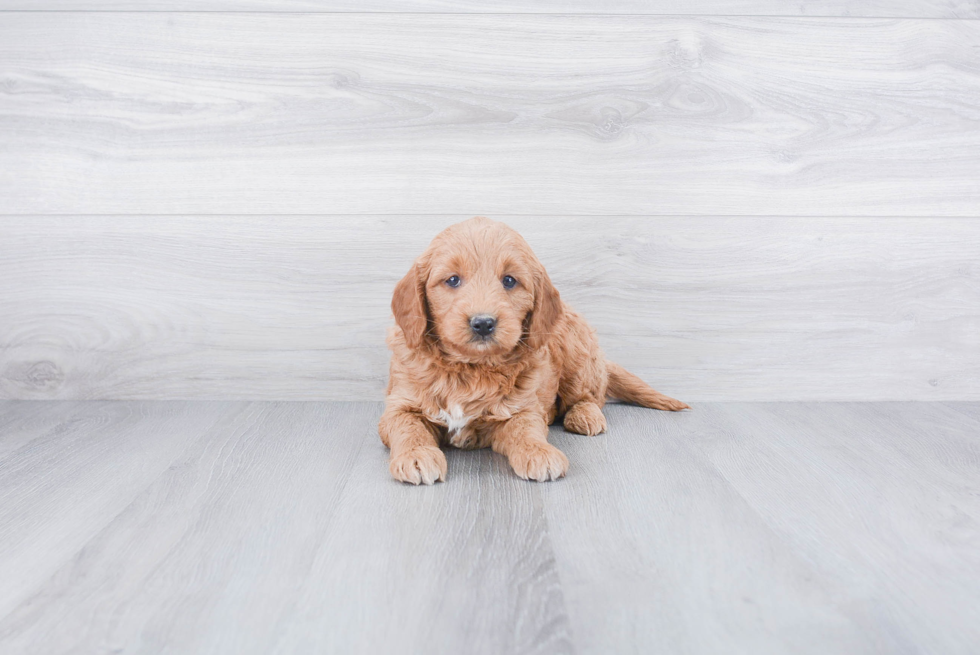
(483, 342)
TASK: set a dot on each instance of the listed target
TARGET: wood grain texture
(727, 308)
(465, 567)
(172, 113)
(279, 530)
(849, 8)
(808, 528)
(873, 465)
(204, 538)
(275, 528)
(59, 490)
(21, 422)
(970, 409)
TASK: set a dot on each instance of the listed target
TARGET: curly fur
(543, 361)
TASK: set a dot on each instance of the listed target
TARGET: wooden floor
(254, 527)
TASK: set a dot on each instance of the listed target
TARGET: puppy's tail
(625, 386)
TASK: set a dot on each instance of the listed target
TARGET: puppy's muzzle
(483, 325)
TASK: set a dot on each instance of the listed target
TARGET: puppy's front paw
(421, 465)
(585, 418)
(534, 460)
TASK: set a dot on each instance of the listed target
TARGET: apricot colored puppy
(485, 353)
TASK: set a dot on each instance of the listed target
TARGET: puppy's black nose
(483, 325)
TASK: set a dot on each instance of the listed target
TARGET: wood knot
(42, 375)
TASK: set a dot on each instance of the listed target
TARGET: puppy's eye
(509, 282)
(453, 281)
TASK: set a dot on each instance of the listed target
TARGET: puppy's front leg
(415, 453)
(523, 440)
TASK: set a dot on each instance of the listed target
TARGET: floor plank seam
(808, 17)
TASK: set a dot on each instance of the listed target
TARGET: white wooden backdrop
(771, 200)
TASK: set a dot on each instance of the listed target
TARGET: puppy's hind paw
(421, 465)
(585, 418)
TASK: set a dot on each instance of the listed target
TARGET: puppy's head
(479, 292)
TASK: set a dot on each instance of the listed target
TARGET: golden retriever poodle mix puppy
(486, 353)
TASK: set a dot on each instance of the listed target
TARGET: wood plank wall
(767, 201)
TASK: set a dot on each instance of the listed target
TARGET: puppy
(485, 353)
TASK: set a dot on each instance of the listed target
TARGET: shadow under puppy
(485, 353)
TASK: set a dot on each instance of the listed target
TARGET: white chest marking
(454, 419)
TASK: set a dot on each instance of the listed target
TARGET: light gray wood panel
(851, 8)
(283, 532)
(737, 528)
(969, 409)
(21, 422)
(665, 554)
(897, 521)
(772, 528)
(60, 490)
(735, 308)
(340, 113)
(465, 566)
(209, 557)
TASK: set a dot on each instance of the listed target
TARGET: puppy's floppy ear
(547, 309)
(409, 307)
